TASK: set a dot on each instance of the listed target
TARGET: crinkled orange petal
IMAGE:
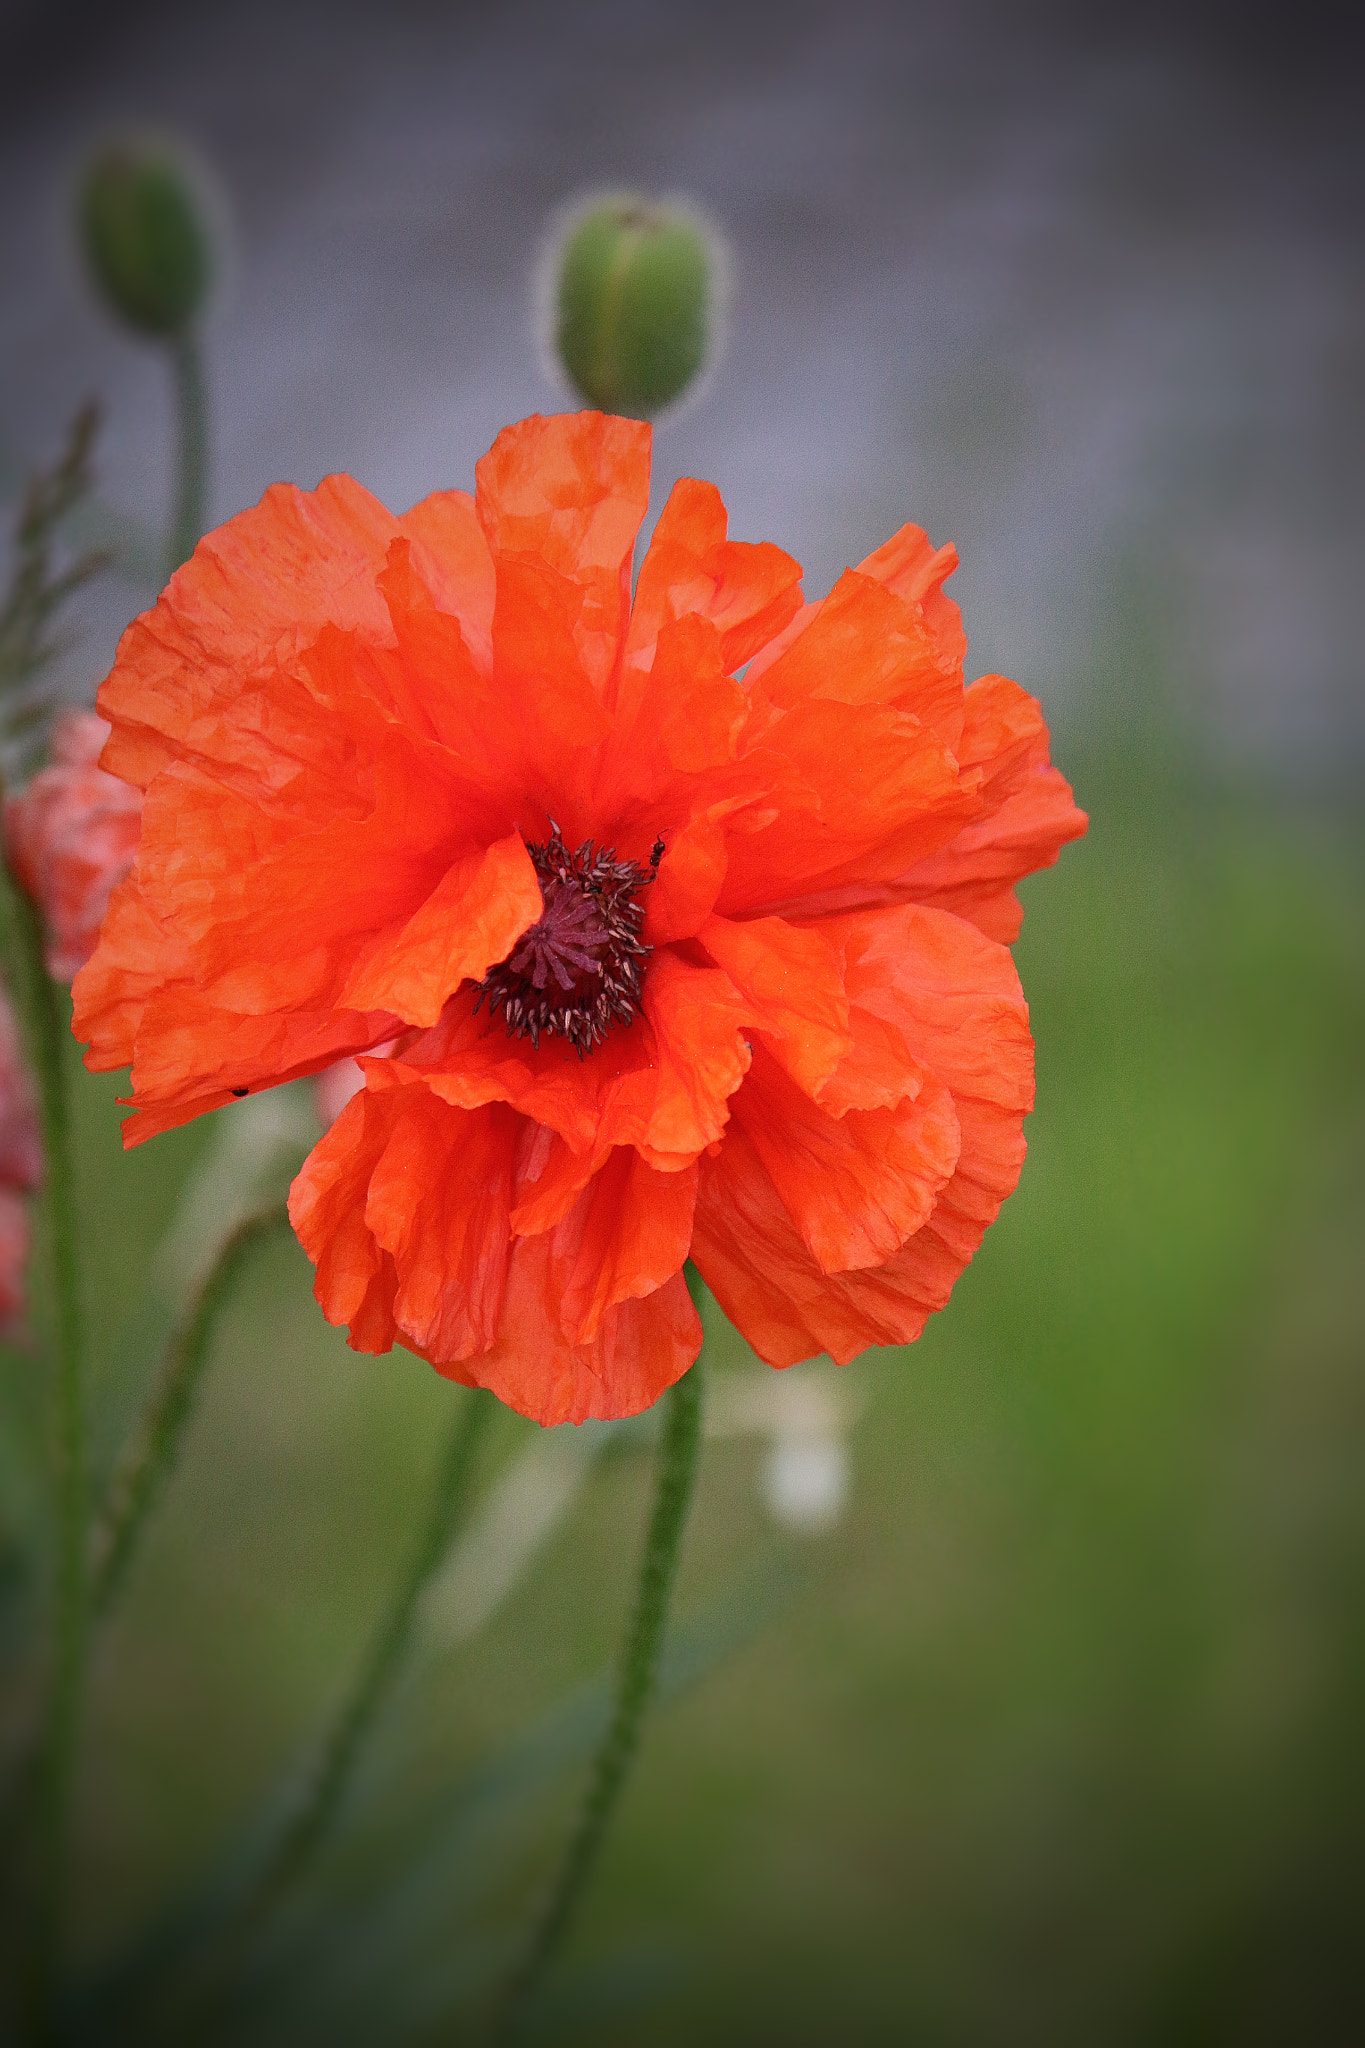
(641, 1349)
(232, 925)
(663, 1086)
(469, 1059)
(691, 874)
(792, 979)
(537, 667)
(298, 744)
(471, 920)
(192, 1057)
(680, 1103)
(195, 1054)
(682, 718)
(430, 680)
(280, 933)
(404, 1206)
(866, 792)
(438, 1202)
(550, 1178)
(748, 590)
(356, 1280)
(1030, 813)
(676, 759)
(252, 596)
(855, 1186)
(876, 1072)
(1027, 816)
(452, 557)
(750, 1255)
(953, 995)
(770, 1287)
(867, 645)
(955, 999)
(569, 493)
(134, 959)
(626, 1234)
(502, 757)
(915, 569)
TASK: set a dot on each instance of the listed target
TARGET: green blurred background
(1054, 1736)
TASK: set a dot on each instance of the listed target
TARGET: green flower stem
(327, 1789)
(187, 523)
(47, 1026)
(639, 1670)
(147, 1463)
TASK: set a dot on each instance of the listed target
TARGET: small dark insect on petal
(239, 1092)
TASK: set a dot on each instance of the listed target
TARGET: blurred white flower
(806, 1414)
(805, 1482)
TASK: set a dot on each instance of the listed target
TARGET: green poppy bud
(634, 304)
(145, 236)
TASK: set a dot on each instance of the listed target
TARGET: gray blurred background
(1078, 288)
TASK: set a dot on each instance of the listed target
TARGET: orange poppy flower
(70, 836)
(21, 1166)
(669, 963)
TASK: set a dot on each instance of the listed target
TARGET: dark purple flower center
(580, 968)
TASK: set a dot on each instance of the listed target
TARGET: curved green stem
(187, 522)
(43, 1009)
(677, 1469)
(322, 1802)
(145, 1466)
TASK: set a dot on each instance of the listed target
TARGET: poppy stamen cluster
(578, 971)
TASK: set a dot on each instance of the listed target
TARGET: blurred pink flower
(70, 837)
(21, 1166)
(333, 1089)
(335, 1085)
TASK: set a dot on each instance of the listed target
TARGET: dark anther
(240, 1092)
(580, 969)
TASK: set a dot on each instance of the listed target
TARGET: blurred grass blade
(37, 592)
(253, 1152)
(256, 1149)
(151, 1454)
(133, 552)
(405, 1955)
(340, 1752)
(518, 1515)
(342, 1964)
(244, 1887)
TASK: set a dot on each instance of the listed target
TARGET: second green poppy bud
(634, 304)
(145, 237)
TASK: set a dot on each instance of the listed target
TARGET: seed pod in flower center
(145, 237)
(578, 970)
(634, 305)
